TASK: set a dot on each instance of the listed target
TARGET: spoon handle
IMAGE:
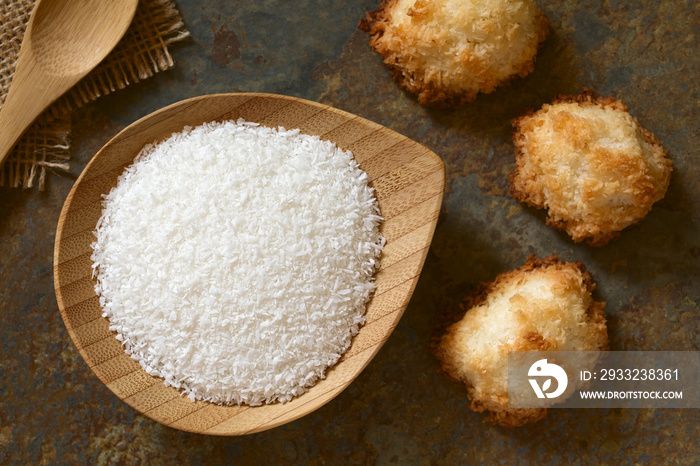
(25, 101)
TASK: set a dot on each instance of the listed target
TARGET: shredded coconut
(235, 261)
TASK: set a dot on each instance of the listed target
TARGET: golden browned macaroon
(587, 161)
(545, 305)
(447, 51)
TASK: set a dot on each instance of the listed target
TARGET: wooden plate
(409, 181)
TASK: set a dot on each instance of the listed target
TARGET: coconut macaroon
(545, 305)
(587, 161)
(447, 51)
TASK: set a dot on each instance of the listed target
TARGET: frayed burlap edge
(137, 56)
(142, 53)
(43, 147)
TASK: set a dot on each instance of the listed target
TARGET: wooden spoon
(64, 40)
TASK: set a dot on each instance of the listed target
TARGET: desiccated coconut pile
(235, 261)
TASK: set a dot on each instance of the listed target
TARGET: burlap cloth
(140, 54)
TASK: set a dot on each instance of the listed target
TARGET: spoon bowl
(64, 40)
(408, 180)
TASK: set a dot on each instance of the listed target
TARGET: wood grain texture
(409, 183)
(64, 41)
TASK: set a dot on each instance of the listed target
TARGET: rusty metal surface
(400, 410)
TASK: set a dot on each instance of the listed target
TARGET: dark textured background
(400, 409)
